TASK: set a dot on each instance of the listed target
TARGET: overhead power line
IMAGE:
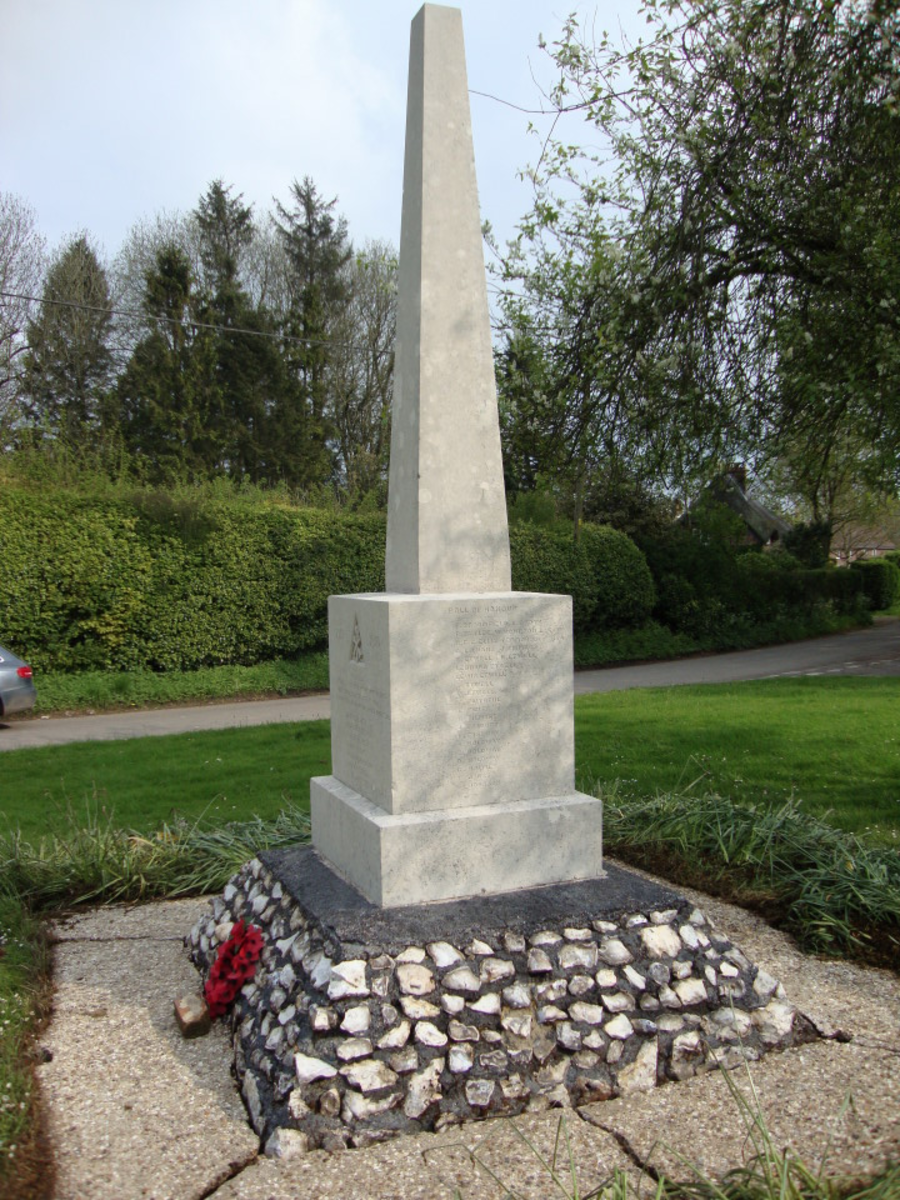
(180, 321)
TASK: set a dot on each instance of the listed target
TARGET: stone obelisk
(451, 696)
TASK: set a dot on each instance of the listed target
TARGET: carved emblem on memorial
(356, 648)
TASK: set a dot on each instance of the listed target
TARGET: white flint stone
(545, 937)
(614, 952)
(538, 961)
(697, 918)
(369, 1076)
(429, 1034)
(568, 1036)
(357, 1108)
(635, 978)
(619, 1002)
(461, 1058)
(518, 1024)
(513, 1088)
(661, 941)
(687, 1054)
(710, 973)
(690, 991)
(670, 1023)
(414, 979)
(418, 1010)
(605, 926)
(357, 1019)
(580, 985)
(389, 1015)
(381, 985)
(549, 1014)
(479, 1092)
(619, 1027)
(463, 1033)
(518, 995)
(309, 1069)
(493, 969)
(477, 948)
(590, 1014)
(405, 1060)
(577, 955)
(348, 979)
(606, 978)
(572, 934)
(682, 969)
(352, 1048)
(615, 1052)
(514, 942)
(286, 1143)
(594, 1040)
(297, 1106)
(764, 985)
(689, 936)
(640, 1076)
(287, 1014)
(223, 931)
(664, 918)
(462, 979)
(635, 921)
(396, 1038)
(774, 1022)
(548, 993)
(318, 966)
(412, 954)
(452, 1004)
(442, 954)
(423, 1089)
(489, 1004)
(729, 970)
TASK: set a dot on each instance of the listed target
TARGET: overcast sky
(115, 110)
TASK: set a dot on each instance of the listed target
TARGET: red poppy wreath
(235, 964)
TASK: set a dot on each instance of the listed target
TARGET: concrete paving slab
(137, 1113)
(134, 1109)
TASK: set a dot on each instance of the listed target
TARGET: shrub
(881, 581)
(623, 586)
(547, 561)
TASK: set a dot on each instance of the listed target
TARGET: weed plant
(835, 893)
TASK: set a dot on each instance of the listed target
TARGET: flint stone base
(364, 1023)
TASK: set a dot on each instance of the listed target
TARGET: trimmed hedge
(151, 582)
(880, 580)
(118, 584)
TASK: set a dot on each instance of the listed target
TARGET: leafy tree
(720, 267)
(168, 393)
(362, 368)
(68, 362)
(318, 252)
(21, 270)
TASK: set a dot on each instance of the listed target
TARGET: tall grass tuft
(832, 891)
(95, 861)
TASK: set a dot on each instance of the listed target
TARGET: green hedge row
(113, 584)
(151, 582)
(880, 580)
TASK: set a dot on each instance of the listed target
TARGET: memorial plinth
(452, 742)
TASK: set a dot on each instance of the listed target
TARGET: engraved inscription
(364, 720)
(495, 654)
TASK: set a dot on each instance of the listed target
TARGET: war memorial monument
(451, 946)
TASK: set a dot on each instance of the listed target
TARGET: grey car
(17, 690)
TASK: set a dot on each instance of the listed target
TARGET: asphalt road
(874, 651)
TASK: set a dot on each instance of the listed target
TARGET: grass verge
(104, 690)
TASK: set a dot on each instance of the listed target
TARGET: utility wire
(131, 312)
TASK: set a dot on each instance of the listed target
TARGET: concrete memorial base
(364, 1023)
(453, 747)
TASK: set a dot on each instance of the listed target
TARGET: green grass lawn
(832, 743)
(225, 775)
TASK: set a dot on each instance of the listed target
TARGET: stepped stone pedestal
(452, 747)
